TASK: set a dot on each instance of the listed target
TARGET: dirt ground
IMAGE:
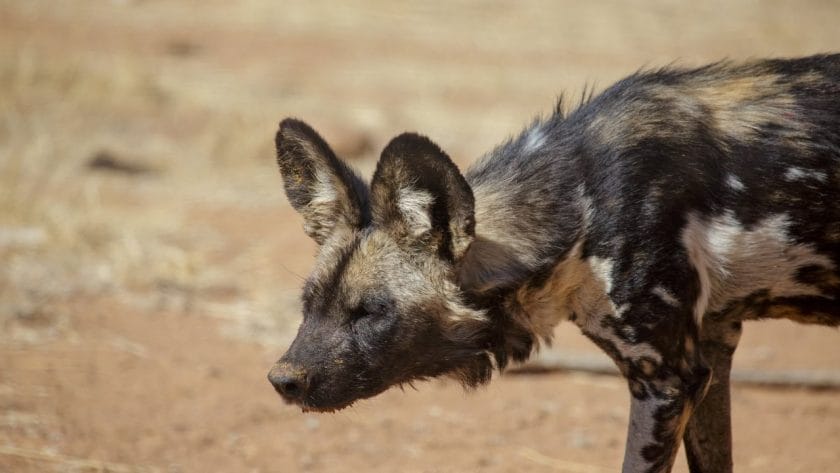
(150, 265)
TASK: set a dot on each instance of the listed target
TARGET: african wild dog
(657, 216)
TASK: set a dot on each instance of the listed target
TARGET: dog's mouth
(325, 409)
(308, 405)
(314, 403)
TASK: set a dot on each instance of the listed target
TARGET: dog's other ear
(322, 188)
(419, 194)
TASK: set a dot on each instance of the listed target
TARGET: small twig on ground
(550, 362)
(73, 463)
(559, 465)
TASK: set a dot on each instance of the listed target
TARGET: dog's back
(737, 169)
(724, 179)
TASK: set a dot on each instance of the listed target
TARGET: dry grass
(68, 230)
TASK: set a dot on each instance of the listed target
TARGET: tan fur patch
(575, 288)
(740, 106)
(570, 289)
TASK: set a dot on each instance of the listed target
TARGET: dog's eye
(378, 306)
(373, 307)
(358, 312)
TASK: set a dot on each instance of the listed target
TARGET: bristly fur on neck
(523, 230)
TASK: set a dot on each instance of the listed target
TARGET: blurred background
(150, 264)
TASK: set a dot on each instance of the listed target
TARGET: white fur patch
(587, 206)
(534, 140)
(459, 313)
(324, 191)
(652, 202)
(667, 296)
(799, 174)
(732, 262)
(602, 268)
(620, 310)
(415, 206)
(734, 183)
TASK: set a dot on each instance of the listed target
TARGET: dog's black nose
(289, 382)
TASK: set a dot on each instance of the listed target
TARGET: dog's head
(383, 305)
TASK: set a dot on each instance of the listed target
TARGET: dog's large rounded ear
(419, 195)
(322, 188)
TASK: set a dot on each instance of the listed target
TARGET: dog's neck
(529, 210)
